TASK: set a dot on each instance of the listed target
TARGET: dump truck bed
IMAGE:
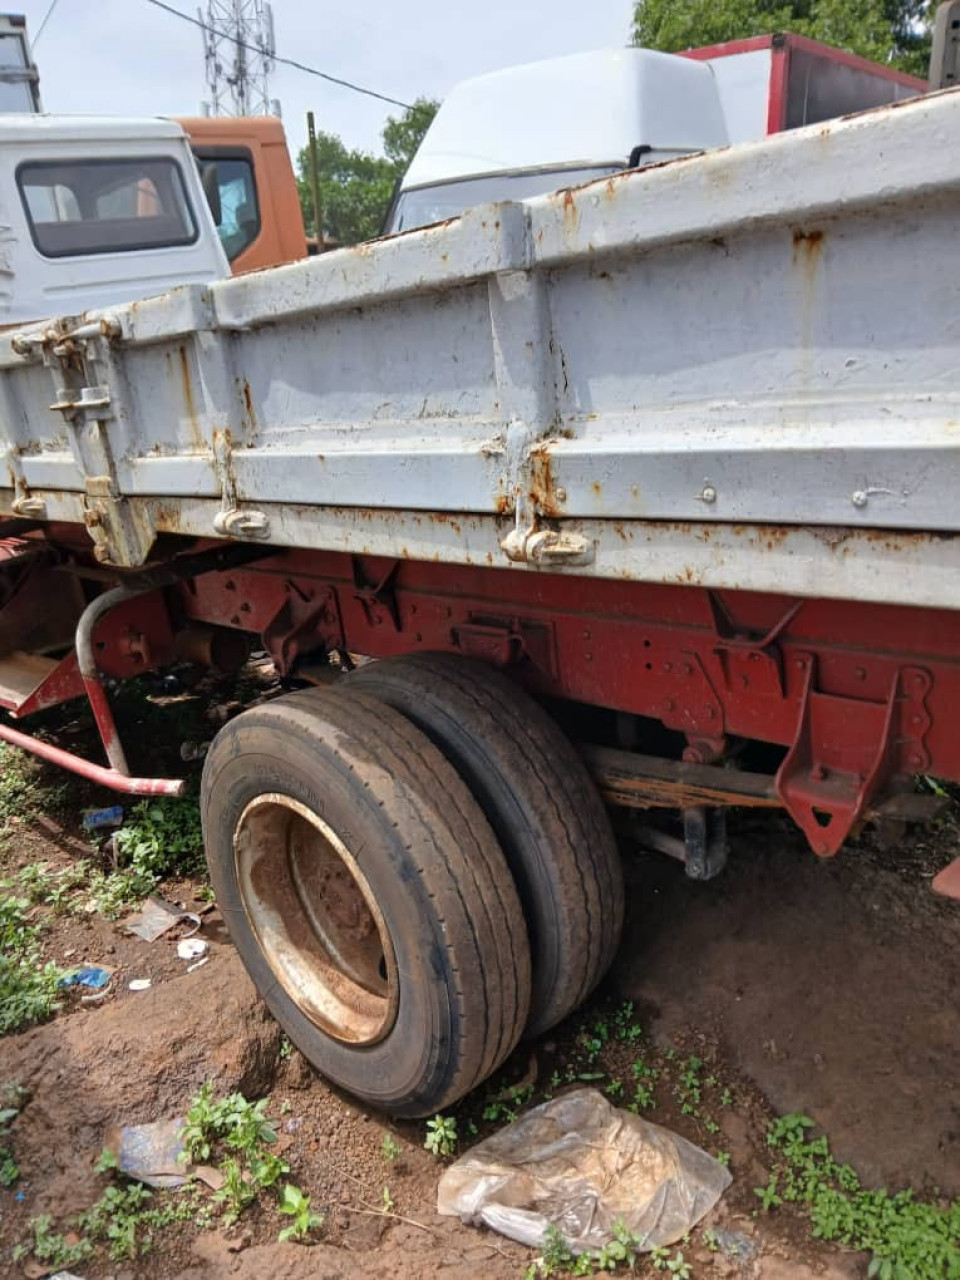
(735, 370)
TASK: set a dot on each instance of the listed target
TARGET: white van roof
(586, 108)
(66, 128)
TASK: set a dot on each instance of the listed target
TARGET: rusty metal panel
(737, 370)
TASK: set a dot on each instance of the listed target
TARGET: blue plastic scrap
(94, 819)
(89, 976)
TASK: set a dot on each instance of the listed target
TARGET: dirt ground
(829, 988)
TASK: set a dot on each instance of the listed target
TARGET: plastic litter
(198, 964)
(96, 819)
(153, 1154)
(192, 948)
(140, 984)
(90, 975)
(157, 917)
(582, 1165)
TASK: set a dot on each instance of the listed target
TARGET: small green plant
(769, 1196)
(387, 1200)
(241, 1125)
(107, 1162)
(51, 1247)
(506, 1106)
(9, 1169)
(710, 1240)
(723, 1157)
(907, 1239)
(237, 1193)
(241, 1128)
(28, 985)
(126, 1219)
(296, 1205)
(620, 1253)
(441, 1139)
(390, 1149)
(626, 1027)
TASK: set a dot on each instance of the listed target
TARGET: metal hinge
(547, 547)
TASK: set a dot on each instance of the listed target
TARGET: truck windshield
(420, 206)
(77, 207)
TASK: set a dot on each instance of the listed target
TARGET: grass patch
(907, 1238)
(28, 985)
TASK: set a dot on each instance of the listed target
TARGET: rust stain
(543, 488)
(807, 243)
(248, 404)
(597, 488)
(189, 403)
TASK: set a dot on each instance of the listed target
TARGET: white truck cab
(95, 212)
(557, 123)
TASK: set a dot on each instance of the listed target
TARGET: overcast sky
(127, 57)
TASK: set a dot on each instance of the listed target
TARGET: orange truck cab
(251, 187)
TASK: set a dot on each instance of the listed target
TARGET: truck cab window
(232, 193)
(82, 207)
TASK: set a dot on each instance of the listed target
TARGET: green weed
(441, 1139)
(297, 1206)
(28, 986)
(907, 1239)
(390, 1149)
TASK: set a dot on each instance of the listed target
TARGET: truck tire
(542, 804)
(367, 896)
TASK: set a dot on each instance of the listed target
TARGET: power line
(46, 18)
(289, 62)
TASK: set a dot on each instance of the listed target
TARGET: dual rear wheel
(416, 870)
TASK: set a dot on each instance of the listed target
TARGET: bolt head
(708, 494)
(859, 498)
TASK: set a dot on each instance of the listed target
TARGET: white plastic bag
(582, 1165)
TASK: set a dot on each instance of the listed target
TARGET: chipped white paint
(657, 369)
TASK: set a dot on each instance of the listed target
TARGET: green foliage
(24, 788)
(506, 1106)
(356, 186)
(621, 1253)
(51, 1247)
(888, 31)
(107, 1162)
(126, 1220)
(159, 838)
(441, 1139)
(242, 1126)
(242, 1129)
(907, 1239)
(9, 1169)
(389, 1149)
(28, 986)
(297, 1206)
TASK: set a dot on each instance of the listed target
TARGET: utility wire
(46, 18)
(289, 62)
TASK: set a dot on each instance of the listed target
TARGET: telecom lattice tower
(239, 49)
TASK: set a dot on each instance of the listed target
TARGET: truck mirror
(211, 188)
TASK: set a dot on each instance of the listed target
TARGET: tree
(890, 31)
(356, 186)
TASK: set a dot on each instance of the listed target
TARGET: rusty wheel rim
(316, 919)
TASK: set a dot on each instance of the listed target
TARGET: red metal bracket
(308, 619)
(846, 749)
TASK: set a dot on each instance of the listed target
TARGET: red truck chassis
(860, 696)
